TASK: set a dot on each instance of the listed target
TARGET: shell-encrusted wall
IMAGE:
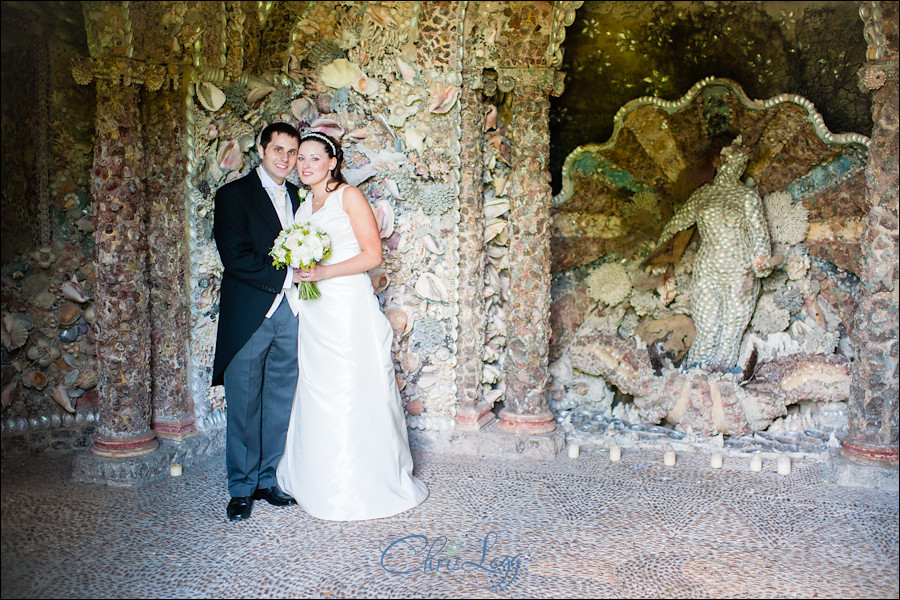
(383, 80)
(49, 354)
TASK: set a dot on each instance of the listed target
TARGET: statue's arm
(684, 218)
(758, 234)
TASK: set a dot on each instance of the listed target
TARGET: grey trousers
(259, 392)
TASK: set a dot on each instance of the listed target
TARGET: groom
(256, 343)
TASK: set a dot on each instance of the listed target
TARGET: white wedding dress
(347, 456)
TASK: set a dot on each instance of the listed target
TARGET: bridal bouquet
(301, 246)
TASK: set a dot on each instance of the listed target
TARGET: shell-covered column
(122, 292)
(472, 411)
(873, 424)
(173, 405)
(528, 325)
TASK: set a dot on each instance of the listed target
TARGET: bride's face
(313, 163)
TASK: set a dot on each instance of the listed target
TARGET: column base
(870, 455)
(125, 446)
(174, 430)
(526, 423)
(473, 419)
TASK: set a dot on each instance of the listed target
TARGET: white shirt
(269, 185)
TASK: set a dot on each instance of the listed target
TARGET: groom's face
(280, 156)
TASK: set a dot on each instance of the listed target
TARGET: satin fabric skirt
(347, 452)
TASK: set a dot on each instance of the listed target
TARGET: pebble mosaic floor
(491, 528)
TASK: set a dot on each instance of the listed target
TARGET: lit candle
(574, 450)
(783, 464)
(756, 464)
(175, 470)
(615, 453)
(715, 461)
(669, 458)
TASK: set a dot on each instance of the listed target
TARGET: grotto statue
(734, 253)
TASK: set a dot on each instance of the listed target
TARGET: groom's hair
(266, 136)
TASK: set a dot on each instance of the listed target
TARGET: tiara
(322, 137)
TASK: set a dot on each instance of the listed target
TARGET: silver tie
(282, 196)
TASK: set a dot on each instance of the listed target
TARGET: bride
(347, 453)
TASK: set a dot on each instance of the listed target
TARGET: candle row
(782, 463)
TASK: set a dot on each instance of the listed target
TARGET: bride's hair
(334, 150)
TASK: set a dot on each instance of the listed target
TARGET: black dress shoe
(239, 508)
(273, 496)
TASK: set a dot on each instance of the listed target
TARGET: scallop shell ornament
(341, 73)
(15, 333)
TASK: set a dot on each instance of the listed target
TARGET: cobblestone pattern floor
(565, 528)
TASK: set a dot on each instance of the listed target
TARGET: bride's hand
(313, 273)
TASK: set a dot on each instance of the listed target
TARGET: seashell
(415, 139)
(380, 15)
(495, 207)
(443, 99)
(61, 395)
(490, 119)
(379, 278)
(323, 103)
(399, 114)
(499, 184)
(15, 334)
(67, 313)
(257, 94)
(35, 379)
(247, 141)
(33, 353)
(6, 397)
(431, 245)
(356, 176)
(384, 216)
(367, 86)
(85, 224)
(68, 335)
(230, 157)
(358, 134)
(410, 362)
(44, 299)
(89, 314)
(407, 71)
(496, 230)
(393, 188)
(72, 290)
(422, 170)
(212, 132)
(71, 377)
(490, 374)
(303, 109)
(399, 320)
(341, 73)
(415, 407)
(328, 126)
(431, 287)
(493, 396)
(211, 97)
(86, 380)
(426, 380)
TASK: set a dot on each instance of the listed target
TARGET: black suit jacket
(245, 226)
